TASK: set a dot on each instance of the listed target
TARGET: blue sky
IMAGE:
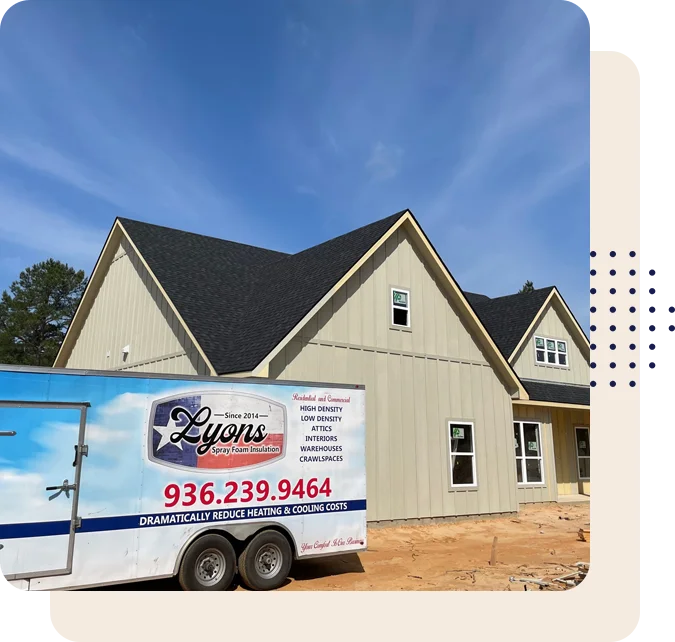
(283, 124)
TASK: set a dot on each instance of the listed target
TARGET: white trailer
(110, 477)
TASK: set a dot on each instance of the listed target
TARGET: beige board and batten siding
(552, 326)
(360, 312)
(565, 422)
(129, 309)
(415, 381)
(546, 492)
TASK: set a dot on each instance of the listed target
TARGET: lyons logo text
(216, 430)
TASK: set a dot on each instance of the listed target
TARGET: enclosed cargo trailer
(109, 477)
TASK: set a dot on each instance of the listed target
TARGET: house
(550, 353)
(376, 306)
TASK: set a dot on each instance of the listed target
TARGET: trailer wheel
(208, 565)
(265, 562)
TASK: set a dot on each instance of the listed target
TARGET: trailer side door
(41, 451)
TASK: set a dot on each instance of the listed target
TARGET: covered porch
(559, 415)
(574, 499)
(572, 452)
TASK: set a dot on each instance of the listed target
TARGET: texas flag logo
(216, 430)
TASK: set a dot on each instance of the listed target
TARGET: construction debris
(540, 583)
(584, 535)
(561, 583)
(493, 553)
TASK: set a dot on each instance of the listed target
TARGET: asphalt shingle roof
(240, 301)
(557, 392)
(507, 318)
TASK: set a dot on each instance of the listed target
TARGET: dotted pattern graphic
(618, 365)
(657, 320)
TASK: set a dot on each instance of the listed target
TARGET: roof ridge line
(504, 296)
(396, 215)
(122, 219)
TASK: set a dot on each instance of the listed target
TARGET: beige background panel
(595, 604)
(613, 591)
(553, 326)
(130, 310)
(655, 109)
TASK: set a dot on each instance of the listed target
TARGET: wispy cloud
(384, 161)
(45, 229)
(134, 35)
(299, 30)
(134, 175)
(307, 191)
(95, 143)
(494, 128)
(96, 432)
(39, 157)
(330, 139)
(472, 114)
(512, 113)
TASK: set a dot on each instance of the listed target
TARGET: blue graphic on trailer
(126, 522)
(181, 453)
(657, 308)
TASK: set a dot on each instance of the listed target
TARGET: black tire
(209, 555)
(268, 549)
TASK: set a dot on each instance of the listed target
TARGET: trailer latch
(64, 488)
(83, 450)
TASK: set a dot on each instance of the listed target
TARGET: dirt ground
(540, 542)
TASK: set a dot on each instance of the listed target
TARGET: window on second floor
(400, 307)
(551, 352)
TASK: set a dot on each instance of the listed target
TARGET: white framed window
(400, 307)
(583, 452)
(462, 454)
(529, 459)
(550, 352)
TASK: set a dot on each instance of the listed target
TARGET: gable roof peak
(240, 300)
(507, 318)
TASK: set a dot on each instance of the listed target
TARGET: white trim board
(576, 328)
(95, 281)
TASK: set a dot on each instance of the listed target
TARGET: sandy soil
(541, 542)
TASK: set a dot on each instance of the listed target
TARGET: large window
(583, 453)
(550, 352)
(462, 454)
(529, 460)
(400, 308)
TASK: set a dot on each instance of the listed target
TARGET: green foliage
(35, 313)
(528, 287)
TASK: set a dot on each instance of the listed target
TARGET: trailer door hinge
(81, 450)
